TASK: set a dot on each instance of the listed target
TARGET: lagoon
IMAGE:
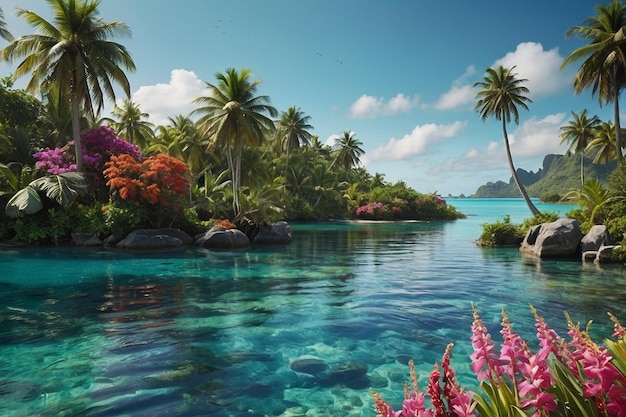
(306, 329)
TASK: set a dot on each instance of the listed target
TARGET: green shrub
(550, 198)
(500, 233)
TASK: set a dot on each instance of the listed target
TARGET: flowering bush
(578, 379)
(157, 184)
(98, 145)
(370, 211)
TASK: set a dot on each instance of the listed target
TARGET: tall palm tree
(130, 123)
(578, 133)
(293, 131)
(500, 95)
(234, 116)
(4, 32)
(348, 150)
(603, 68)
(75, 54)
(602, 143)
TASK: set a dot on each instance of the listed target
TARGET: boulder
(143, 239)
(597, 236)
(220, 237)
(86, 239)
(276, 233)
(558, 239)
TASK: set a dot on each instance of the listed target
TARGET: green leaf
(25, 201)
(62, 188)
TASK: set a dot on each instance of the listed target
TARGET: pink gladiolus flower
(485, 362)
(434, 391)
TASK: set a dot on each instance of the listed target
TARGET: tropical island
(237, 163)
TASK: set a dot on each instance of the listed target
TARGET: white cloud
(369, 107)
(162, 100)
(538, 137)
(414, 143)
(529, 144)
(459, 94)
(541, 68)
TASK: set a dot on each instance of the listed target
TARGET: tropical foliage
(75, 55)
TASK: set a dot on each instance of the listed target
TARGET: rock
(309, 366)
(143, 239)
(560, 238)
(276, 233)
(597, 236)
(86, 239)
(220, 237)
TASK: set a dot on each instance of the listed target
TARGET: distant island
(558, 175)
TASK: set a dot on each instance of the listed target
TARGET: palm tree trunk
(618, 130)
(520, 187)
(582, 169)
(76, 131)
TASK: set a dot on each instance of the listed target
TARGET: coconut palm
(4, 33)
(348, 150)
(293, 131)
(234, 116)
(500, 95)
(578, 133)
(603, 68)
(602, 143)
(75, 54)
(131, 124)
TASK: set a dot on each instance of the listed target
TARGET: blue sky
(397, 73)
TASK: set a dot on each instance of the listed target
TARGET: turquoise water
(306, 329)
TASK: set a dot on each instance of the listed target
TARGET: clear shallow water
(305, 329)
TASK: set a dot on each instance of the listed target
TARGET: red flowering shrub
(159, 184)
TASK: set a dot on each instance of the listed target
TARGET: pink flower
(485, 362)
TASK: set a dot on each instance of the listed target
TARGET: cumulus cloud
(370, 107)
(460, 94)
(540, 67)
(529, 143)
(164, 100)
(414, 143)
(538, 137)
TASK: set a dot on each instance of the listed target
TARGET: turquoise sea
(306, 329)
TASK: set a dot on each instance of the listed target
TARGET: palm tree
(4, 33)
(293, 131)
(76, 55)
(604, 58)
(578, 133)
(233, 116)
(602, 142)
(501, 93)
(348, 150)
(130, 123)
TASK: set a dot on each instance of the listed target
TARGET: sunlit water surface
(306, 329)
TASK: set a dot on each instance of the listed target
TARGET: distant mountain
(558, 175)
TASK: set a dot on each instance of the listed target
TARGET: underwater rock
(348, 370)
(309, 366)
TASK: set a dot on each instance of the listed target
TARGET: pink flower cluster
(54, 161)
(97, 144)
(370, 209)
(541, 384)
